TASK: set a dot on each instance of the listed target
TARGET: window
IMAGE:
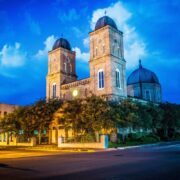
(118, 79)
(85, 92)
(118, 51)
(70, 66)
(103, 49)
(147, 95)
(100, 79)
(65, 67)
(54, 90)
(113, 49)
(96, 51)
(5, 113)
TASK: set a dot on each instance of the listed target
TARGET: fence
(103, 144)
(7, 140)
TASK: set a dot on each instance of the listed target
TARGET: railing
(80, 139)
(22, 139)
(83, 142)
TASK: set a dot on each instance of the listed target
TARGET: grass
(134, 139)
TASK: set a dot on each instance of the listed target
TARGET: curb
(143, 145)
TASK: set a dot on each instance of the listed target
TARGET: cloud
(134, 46)
(68, 15)
(33, 25)
(83, 56)
(86, 42)
(12, 56)
(77, 32)
(48, 43)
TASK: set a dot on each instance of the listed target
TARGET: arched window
(65, 67)
(54, 90)
(118, 50)
(103, 49)
(100, 79)
(70, 66)
(147, 95)
(96, 51)
(118, 79)
(85, 92)
(113, 49)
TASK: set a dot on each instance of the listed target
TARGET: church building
(107, 69)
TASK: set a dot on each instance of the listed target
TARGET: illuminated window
(54, 90)
(118, 79)
(100, 79)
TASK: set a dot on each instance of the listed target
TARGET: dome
(142, 75)
(61, 42)
(104, 21)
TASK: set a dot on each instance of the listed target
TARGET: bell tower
(107, 63)
(61, 68)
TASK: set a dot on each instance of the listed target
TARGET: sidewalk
(144, 145)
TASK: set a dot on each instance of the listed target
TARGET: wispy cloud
(83, 56)
(33, 25)
(12, 56)
(86, 42)
(77, 32)
(68, 15)
(48, 43)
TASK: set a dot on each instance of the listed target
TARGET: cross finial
(105, 12)
(62, 35)
(140, 65)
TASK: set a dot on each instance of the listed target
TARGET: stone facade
(149, 92)
(107, 69)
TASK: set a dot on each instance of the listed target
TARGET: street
(156, 162)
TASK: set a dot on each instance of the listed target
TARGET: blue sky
(28, 30)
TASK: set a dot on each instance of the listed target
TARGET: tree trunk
(39, 137)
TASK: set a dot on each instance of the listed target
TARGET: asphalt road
(157, 162)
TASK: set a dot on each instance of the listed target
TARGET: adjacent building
(4, 110)
(144, 84)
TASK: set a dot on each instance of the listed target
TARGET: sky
(28, 30)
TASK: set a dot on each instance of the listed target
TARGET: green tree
(70, 118)
(125, 114)
(171, 117)
(96, 115)
(42, 113)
